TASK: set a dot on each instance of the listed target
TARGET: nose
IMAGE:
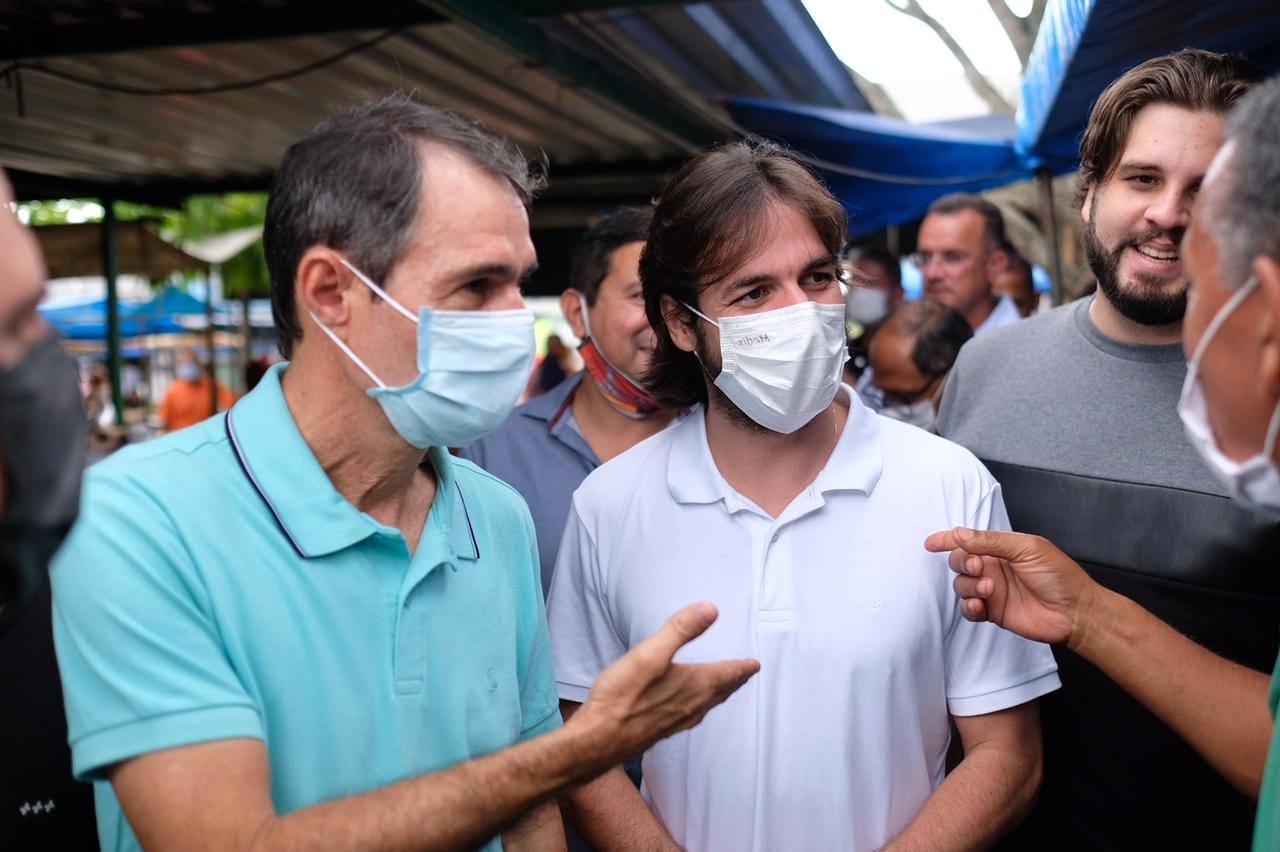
(1171, 209)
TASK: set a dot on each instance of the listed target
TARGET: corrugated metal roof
(614, 94)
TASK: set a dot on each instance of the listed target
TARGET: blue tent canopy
(1085, 44)
(158, 315)
(887, 171)
(883, 169)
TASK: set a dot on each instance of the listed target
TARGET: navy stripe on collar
(244, 466)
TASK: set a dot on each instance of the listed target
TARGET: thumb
(680, 629)
(1003, 545)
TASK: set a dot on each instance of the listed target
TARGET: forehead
(624, 261)
(960, 226)
(890, 354)
(1173, 139)
(468, 216)
(788, 242)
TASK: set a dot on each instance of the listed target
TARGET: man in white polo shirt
(801, 514)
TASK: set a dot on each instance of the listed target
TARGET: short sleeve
(583, 639)
(539, 706)
(990, 669)
(141, 662)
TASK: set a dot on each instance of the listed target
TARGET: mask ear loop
(701, 314)
(383, 293)
(1221, 317)
(347, 349)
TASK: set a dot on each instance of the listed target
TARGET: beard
(1140, 301)
(716, 398)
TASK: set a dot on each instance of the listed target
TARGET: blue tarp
(887, 171)
(883, 169)
(1085, 44)
(158, 315)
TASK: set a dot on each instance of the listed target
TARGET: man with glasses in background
(960, 251)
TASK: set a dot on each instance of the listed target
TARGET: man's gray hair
(1245, 221)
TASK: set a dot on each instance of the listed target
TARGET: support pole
(212, 366)
(1050, 219)
(246, 338)
(110, 266)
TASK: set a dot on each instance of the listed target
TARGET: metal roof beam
(167, 192)
(496, 19)
(167, 29)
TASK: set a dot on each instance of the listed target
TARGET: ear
(997, 262)
(676, 316)
(1268, 271)
(571, 306)
(1086, 206)
(323, 286)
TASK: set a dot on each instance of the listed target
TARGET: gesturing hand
(1022, 583)
(645, 697)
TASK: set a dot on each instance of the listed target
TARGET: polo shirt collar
(551, 408)
(545, 406)
(855, 464)
(311, 513)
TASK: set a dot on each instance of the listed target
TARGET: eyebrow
(754, 280)
(496, 270)
(1138, 166)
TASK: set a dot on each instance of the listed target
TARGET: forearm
(458, 808)
(983, 798)
(1217, 706)
(610, 814)
(540, 830)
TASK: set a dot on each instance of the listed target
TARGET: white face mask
(782, 367)
(1254, 482)
(472, 367)
(919, 413)
(867, 305)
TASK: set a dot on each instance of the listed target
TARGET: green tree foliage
(200, 217)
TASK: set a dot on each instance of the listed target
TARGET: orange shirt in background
(187, 403)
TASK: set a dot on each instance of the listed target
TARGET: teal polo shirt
(217, 585)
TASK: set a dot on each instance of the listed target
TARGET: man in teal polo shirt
(301, 624)
(1230, 407)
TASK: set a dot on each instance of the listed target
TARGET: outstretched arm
(1025, 584)
(216, 795)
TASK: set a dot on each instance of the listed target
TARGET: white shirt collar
(1005, 313)
(855, 463)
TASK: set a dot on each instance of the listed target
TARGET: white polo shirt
(1004, 313)
(842, 736)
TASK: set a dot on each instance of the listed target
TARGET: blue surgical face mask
(472, 367)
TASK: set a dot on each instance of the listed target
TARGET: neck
(1118, 327)
(378, 474)
(979, 313)
(608, 431)
(770, 468)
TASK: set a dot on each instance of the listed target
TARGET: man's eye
(820, 277)
(1143, 180)
(754, 295)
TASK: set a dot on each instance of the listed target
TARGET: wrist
(1093, 612)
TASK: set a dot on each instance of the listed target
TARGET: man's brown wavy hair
(1196, 80)
(709, 219)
